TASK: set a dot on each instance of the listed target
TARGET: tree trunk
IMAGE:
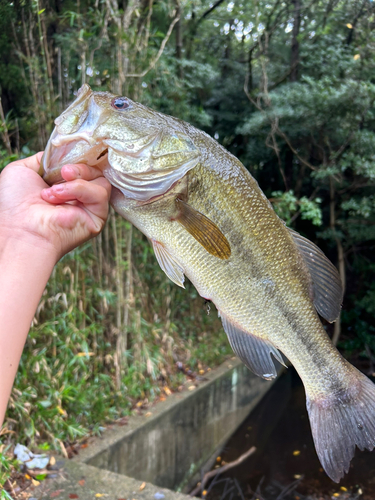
(179, 38)
(4, 132)
(120, 300)
(129, 295)
(340, 257)
(295, 44)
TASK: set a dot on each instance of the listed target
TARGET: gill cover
(153, 165)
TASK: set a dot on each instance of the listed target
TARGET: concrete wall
(183, 432)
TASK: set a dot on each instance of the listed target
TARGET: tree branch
(273, 122)
(161, 50)
(222, 469)
(208, 12)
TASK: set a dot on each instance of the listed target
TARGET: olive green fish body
(207, 219)
(264, 287)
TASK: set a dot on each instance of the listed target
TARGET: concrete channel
(168, 445)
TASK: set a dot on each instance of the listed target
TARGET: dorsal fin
(254, 352)
(327, 286)
(203, 230)
(171, 268)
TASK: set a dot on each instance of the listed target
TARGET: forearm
(25, 266)
(37, 226)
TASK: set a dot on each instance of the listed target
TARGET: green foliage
(5, 158)
(8, 466)
(327, 107)
(66, 383)
(286, 206)
(364, 207)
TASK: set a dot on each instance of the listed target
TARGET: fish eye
(120, 103)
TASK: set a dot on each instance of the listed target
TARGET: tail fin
(341, 422)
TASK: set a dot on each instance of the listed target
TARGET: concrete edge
(115, 433)
(85, 482)
(77, 479)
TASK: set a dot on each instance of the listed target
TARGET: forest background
(286, 86)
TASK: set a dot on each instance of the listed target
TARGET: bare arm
(37, 227)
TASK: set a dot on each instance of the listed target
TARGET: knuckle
(107, 188)
(103, 187)
(102, 194)
(99, 224)
(83, 171)
(87, 172)
(80, 183)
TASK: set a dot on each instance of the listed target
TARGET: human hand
(60, 217)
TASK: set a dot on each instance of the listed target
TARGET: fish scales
(246, 270)
(207, 219)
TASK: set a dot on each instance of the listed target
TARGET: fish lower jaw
(72, 152)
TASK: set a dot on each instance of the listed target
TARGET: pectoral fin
(327, 286)
(254, 352)
(171, 268)
(203, 230)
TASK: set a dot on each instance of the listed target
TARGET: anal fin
(203, 230)
(168, 264)
(254, 352)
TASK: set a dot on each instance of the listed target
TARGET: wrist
(25, 244)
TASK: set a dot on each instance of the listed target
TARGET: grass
(67, 384)
(8, 466)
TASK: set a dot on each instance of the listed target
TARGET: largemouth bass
(208, 220)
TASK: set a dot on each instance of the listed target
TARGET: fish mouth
(70, 149)
(136, 166)
(81, 147)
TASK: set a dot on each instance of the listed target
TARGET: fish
(207, 219)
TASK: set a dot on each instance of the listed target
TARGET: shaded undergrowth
(110, 331)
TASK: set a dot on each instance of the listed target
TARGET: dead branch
(158, 55)
(257, 494)
(63, 449)
(148, 24)
(275, 147)
(103, 36)
(275, 129)
(274, 124)
(302, 160)
(288, 489)
(10, 486)
(222, 469)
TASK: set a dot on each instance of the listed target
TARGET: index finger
(80, 171)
